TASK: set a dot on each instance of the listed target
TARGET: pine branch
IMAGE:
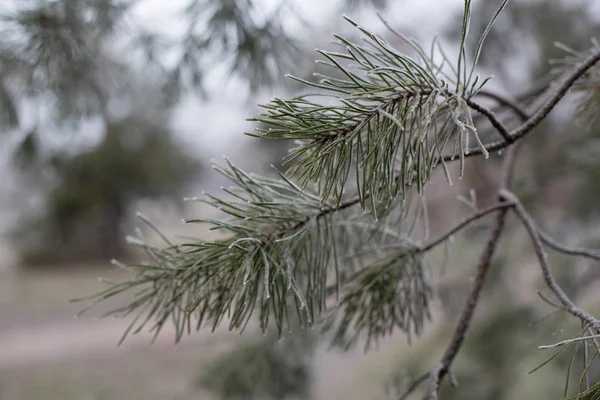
(385, 127)
(385, 124)
(282, 248)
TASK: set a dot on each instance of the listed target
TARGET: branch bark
(437, 374)
(551, 242)
(464, 322)
(489, 114)
(538, 247)
(542, 112)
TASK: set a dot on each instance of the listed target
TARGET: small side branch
(461, 225)
(464, 322)
(506, 102)
(493, 120)
(572, 251)
(413, 386)
(541, 113)
(538, 247)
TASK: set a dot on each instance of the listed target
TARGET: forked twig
(538, 247)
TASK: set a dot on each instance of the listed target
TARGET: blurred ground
(47, 354)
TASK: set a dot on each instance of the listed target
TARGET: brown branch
(462, 224)
(413, 386)
(506, 102)
(437, 374)
(538, 247)
(466, 316)
(542, 112)
(492, 118)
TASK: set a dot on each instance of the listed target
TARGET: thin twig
(462, 224)
(573, 251)
(413, 386)
(538, 247)
(466, 316)
(506, 102)
(542, 112)
(492, 118)
(569, 341)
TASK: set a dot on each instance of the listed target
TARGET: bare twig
(462, 224)
(439, 372)
(569, 341)
(506, 102)
(538, 247)
(492, 118)
(573, 251)
(413, 386)
(542, 112)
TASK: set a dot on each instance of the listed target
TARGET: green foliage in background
(91, 195)
(263, 368)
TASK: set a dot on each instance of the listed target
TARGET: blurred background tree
(90, 196)
(263, 368)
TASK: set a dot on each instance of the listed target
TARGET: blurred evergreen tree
(92, 191)
(263, 368)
